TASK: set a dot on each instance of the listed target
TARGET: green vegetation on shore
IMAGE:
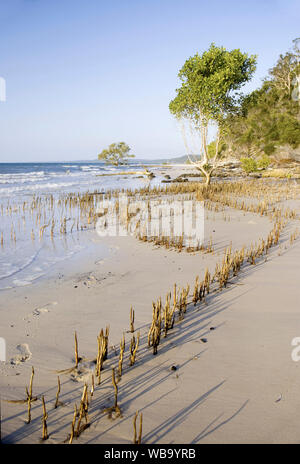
(115, 154)
(269, 117)
(208, 95)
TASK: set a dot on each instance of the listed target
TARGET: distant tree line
(269, 117)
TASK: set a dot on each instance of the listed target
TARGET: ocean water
(19, 179)
(25, 256)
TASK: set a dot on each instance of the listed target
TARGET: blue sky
(81, 74)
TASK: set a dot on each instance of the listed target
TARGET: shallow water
(25, 255)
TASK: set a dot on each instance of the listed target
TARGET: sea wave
(35, 187)
(21, 177)
(70, 166)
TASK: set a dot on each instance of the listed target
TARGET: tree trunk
(208, 178)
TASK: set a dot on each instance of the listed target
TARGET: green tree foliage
(116, 153)
(249, 165)
(211, 149)
(208, 92)
(269, 117)
(263, 162)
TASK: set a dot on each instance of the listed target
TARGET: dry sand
(239, 385)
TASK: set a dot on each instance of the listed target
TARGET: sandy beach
(223, 374)
(149, 227)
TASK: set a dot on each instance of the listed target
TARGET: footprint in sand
(84, 373)
(81, 376)
(39, 311)
(23, 355)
